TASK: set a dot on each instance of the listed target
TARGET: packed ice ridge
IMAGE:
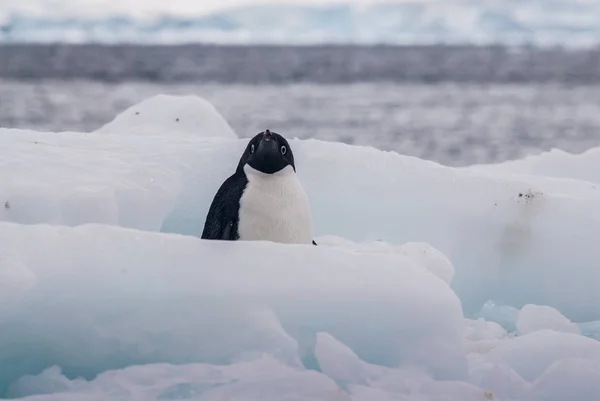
(429, 282)
(566, 23)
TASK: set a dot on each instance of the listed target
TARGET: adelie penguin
(264, 199)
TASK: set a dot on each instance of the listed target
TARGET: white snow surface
(171, 115)
(555, 163)
(416, 290)
(535, 318)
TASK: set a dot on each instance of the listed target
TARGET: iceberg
(429, 282)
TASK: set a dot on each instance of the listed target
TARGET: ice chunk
(168, 115)
(555, 163)
(481, 336)
(423, 254)
(499, 380)
(532, 354)
(365, 380)
(15, 280)
(504, 315)
(107, 297)
(430, 258)
(569, 379)
(481, 329)
(501, 233)
(534, 318)
(50, 381)
(590, 329)
(265, 379)
(339, 362)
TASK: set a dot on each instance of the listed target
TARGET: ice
(365, 381)
(504, 315)
(430, 258)
(265, 379)
(171, 115)
(534, 318)
(429, 282)
(532, 354)
(339, 362)
(555, 163)
(423, 254)
(500, 380)
(569, 379)
(107, 297)
(590, 329)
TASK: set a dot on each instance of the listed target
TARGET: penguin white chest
(274, 207)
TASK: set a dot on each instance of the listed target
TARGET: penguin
(264, 199)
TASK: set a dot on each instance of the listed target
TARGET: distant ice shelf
(407, 22)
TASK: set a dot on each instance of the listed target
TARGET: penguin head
(268, 152)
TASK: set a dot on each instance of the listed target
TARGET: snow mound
(555, 163)
(534, 318)
(531, 355)
(504, 315)
(423, 254)
(169, 115)
(203, 382)
(503, 234)
(425, 284)
(568, 377)
(107, 298)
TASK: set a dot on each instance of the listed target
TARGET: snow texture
(121, 297)
(535, 318)
(555, 163)
(502, 233)
(429, 283)
(171, 115)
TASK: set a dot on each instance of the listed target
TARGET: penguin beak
(267, 145)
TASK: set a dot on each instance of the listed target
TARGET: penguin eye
(283, 150)
(252, 148)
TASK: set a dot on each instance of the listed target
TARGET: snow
(555, 163)
(422, 253)
(499, 232)
(143, 298)
(429, 282)
(175, 115)
(532, 354)
(534, 318)
(567, 377)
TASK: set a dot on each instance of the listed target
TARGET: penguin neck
(287, 171)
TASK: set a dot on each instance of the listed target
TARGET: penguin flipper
(227, 232)
(314, 243)
(221, 220)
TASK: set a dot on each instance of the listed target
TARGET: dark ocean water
(455, 105)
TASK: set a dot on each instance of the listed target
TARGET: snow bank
(170, 115)
(504, 235)
(408, 248)
(555, 163)
(422, 253)
(535, 318)
(531, 355)
(105, 298)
